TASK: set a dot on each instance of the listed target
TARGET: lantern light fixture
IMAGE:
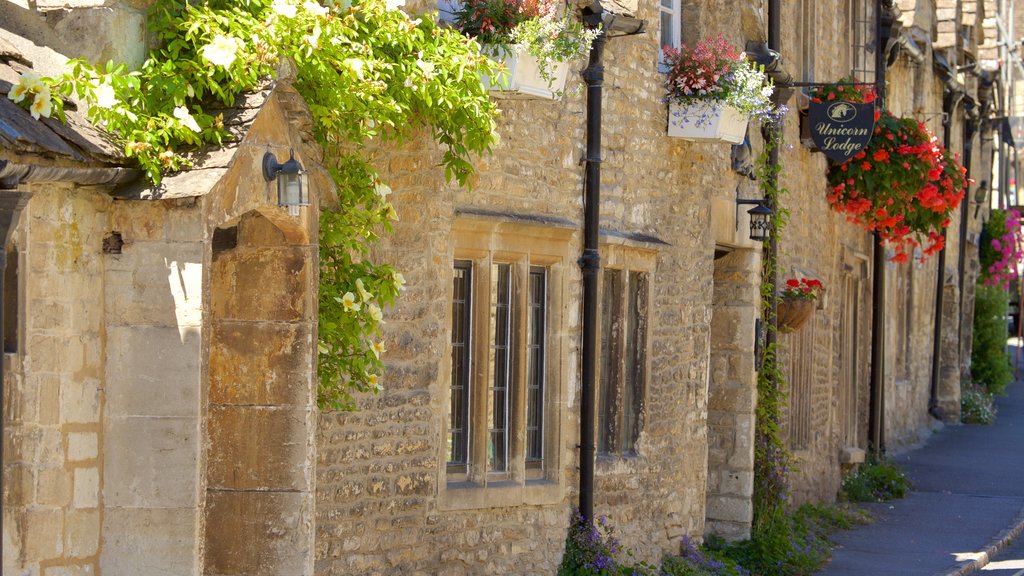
(760, 218)
(292, 181)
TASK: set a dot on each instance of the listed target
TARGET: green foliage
(771, 459)
(990, 365)
(365, 69)
(875, 481)
(995, 227)
(976, 405)
(790, 544)
(591, 549)
(700, 561)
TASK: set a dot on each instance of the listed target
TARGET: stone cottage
(158, 399)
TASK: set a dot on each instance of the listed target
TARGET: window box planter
(792, 314)
(705, 122)
(523, 79)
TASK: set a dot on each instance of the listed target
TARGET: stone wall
(54, 392)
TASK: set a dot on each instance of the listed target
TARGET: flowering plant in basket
(543, 28)
(716, 72)
(904, 185)
(802, 289)
(845, 89)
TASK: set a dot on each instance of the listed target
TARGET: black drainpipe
(876, 415)
(590, 263)
(950, 100)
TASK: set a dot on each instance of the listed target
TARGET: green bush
(591, 549)
(875, 481)
(976, 405)
(698, 561)
(990, 365)
(788, 544)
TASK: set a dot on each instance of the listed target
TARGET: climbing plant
(771, 459)
(366, 69)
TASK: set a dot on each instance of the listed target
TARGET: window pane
(611, 320)
(500, 368)
(537, 300)
(633, 388)
(667, 30)
(458, 417)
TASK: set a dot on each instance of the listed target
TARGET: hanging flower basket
(793, 314)
(705, 122)
(905, 185)
(797, 302)
(536, 39)
(523, 78)
(713, 90)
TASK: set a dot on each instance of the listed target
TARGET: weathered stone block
(82, 446)
(86, 488)
(258, 533)
(43, 529)
(155, 541)
(153, 371)
(262, 284)
(259, 447)
(53, 487)
(80, 401)
(83, 533)
(261, 363)
(151, 462)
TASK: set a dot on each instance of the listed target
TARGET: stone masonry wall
(152, 437)
(378, 469)
(53, 470)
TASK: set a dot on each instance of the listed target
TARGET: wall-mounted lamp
(760, 218)
(980, 196)
(292, 181)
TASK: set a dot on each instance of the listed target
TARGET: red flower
(881, 155)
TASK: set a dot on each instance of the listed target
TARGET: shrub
(591, 550)
(788, 544)
(990, 365)
(976, 405)
(875, 481)
(695, 561)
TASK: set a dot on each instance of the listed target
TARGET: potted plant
(713, 90)
(904, 185)
(848, 88)
(534, 39)
(796, 303)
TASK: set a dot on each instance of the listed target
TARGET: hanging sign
(841, 128)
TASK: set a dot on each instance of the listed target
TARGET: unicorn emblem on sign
(842, 112)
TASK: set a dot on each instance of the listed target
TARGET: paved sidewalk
(967, 503)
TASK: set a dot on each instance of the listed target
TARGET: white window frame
(676, 12)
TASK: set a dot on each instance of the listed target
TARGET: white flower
(284, 8)
(222, 51)
(104, 96)
(394, 4)
(375, 313)
(315, 8)
(348, 301)
(28, 82)
(42, 105)
(186, 119)
(399, 281)
(372, 379)
(382, 190)
(362, 290)
(391, 213)
(378, 348)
